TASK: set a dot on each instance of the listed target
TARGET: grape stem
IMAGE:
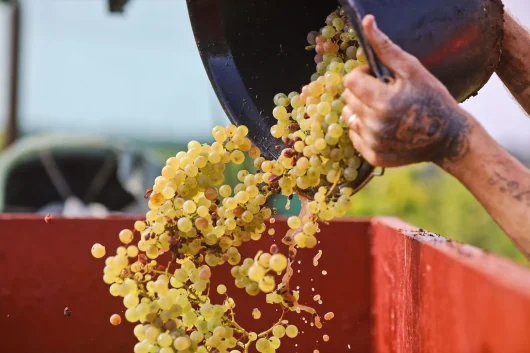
(245, 334)
(265, 333)
(231, 310)
(334, 184)
(289, 272)
(238, 328)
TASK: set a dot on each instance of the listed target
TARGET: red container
(391, 291)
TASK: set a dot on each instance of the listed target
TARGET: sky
(84, 69)
(137, 75)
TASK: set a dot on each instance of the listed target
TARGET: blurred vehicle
(98, 95)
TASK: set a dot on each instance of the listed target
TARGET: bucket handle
(356, 14)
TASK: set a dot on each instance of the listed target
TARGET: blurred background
(93, 102)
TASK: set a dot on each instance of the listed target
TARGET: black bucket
(253, 49)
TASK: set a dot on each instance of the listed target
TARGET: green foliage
(428, 198)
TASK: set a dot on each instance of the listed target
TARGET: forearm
(499, 182)
(514, 67)
(415, 119)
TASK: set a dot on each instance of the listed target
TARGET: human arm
(415, 119)
(514, 67)
(500, 183)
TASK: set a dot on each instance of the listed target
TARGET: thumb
(390, 54)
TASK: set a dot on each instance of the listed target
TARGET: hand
(412, 119)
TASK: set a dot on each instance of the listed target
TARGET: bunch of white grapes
(200, 222)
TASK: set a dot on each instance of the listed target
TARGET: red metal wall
(407, 293)
(434, 296)
(46, 267)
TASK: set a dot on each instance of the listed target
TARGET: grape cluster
(320, 159)
(197, 222)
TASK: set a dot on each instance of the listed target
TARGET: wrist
(474, 143)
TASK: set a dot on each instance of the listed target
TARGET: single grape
(291, 331)
(311, 37)
(361, 56)
(278, 331)
(252, 289)
(310, 241)
(98, 251)
(205, 273)
(189, 207)
(221, 289)
(328, 31)
(278, 262)
(275, 342)
(197, 336)
(256, 272)
(164, 340)
(294, 222)
(141, 347)
(182, 343)
(267, 284)
(338, 23)
(262, 345)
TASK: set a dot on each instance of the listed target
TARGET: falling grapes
(201, 222)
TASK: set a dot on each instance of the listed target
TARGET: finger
(390, 54)
(354, 105)
(351, 119)
(356, 140)
(369, 90)
(362, 76)
(372, 125)
(363, 148)
(392, 159)
(347, 114)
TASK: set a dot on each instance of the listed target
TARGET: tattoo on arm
(511, 187)
(431, 129)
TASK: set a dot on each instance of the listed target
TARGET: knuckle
(350, 83)
(369, 97)
(355, 126)
(346, 112)
(411, 65)
(345, 115)
(358, 77)
(414, 61)
(377, 129)
(381, 104)
(352, 78)
(407, 71)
